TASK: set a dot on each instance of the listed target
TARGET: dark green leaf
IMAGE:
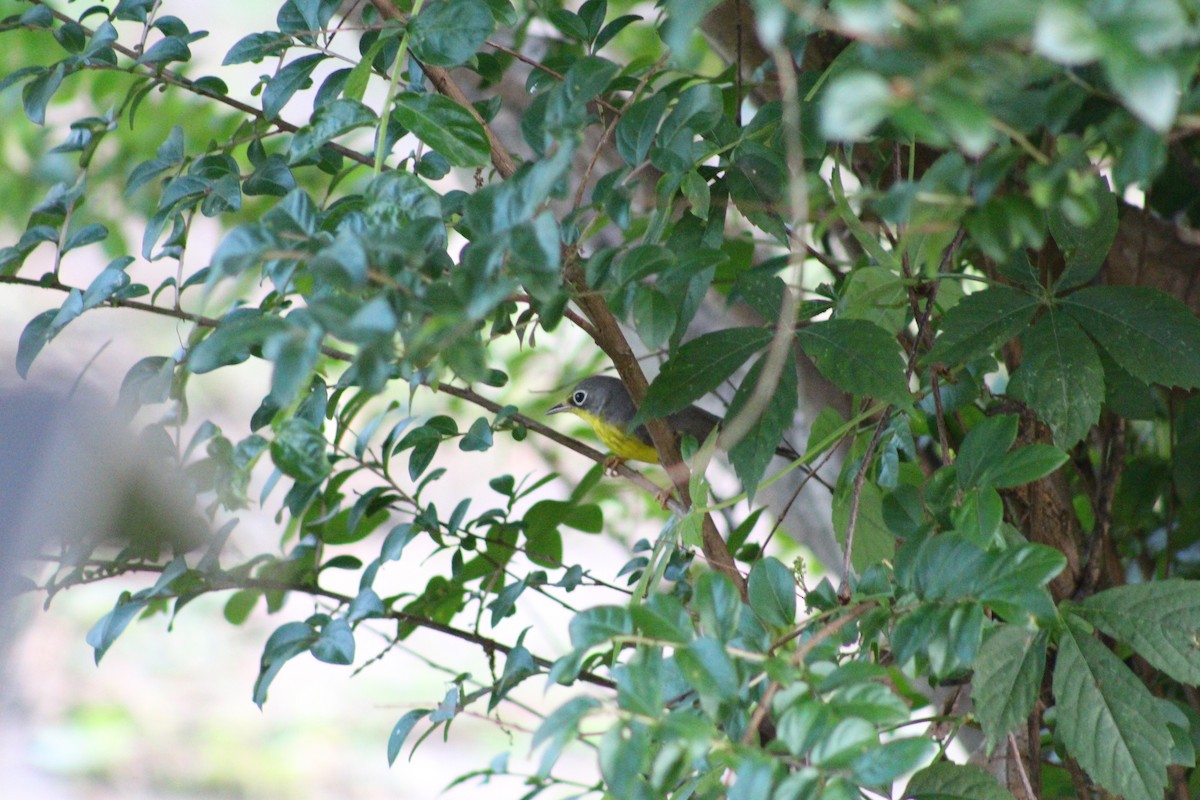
(287, 82)
(772, 591)
(637, 127)
(1152, 336)
(859, 357)
(1084, 246)
(299, 451)
(445, 126)
(1159, 620)
(1021, 466)
(985, 443)
(698, 367)
(1108, 719)
(980, 323)
(448, 34)
(328, 122)
(1008, 677)
(401, 730)
(478, 438)
(948, 781)
(598, 625)
(335, 645)
(754, 452)
(37, 93)
(33, 338)
(1060, 377)
(256, 47)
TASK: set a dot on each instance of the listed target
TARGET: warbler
(603, 402)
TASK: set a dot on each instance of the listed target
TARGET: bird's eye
(578, 398)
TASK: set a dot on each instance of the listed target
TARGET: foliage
(932, 203)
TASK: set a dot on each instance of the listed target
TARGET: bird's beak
(558, 409)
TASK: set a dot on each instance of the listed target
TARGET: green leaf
(879, 766)
(707, 667)
(1150, 335)
(662, 616)
(1159, 620)
(986, 442)
(37, 93)
(698, 367)
(37, 332)
(858, 357)
(335, 645)
(1084, 246)
(256, 47)
(478, 438)
(947, 781)
(1060, 377)
(598, 625)
(654, 316)
(638, 126)
(1108, 719)
(445, 126)
(1021, 466)
(111, 625)
(299, 451)
(232, 341)
(288, 81)
(401, 730)
(772, 592)
(980, 323)
(717, 602)
(587, 78)
(288, 641)
(853, 104)
(1008, 677)
(1148, 87)
(447, 34)
(561, 727)
(328, 122)
(754, 452)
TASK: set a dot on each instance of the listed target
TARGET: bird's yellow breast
(622, 444)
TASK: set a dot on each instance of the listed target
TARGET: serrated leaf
(1159, 620)
(1108, 719)
(697, 367)
(858, 357)
(1060, 377)
(751, 456)
(1008, 677)
(1084, 247)
(1150, 335)
(445, 126)
(980, 323)
(948, 781)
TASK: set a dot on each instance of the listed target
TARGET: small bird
(603, 402)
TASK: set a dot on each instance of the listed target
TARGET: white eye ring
(579, 398)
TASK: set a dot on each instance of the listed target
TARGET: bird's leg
(663, 497)
(611, 464)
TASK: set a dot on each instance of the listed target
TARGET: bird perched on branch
(603, 402)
